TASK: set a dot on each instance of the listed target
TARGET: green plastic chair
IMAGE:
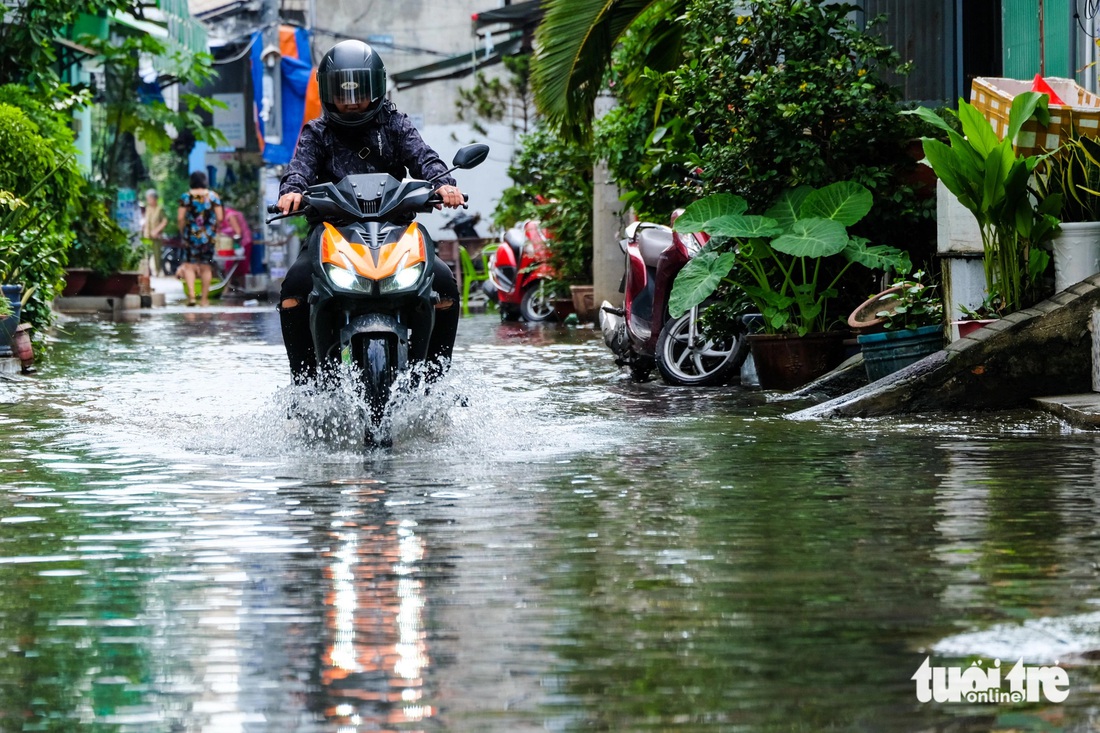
(470, 275)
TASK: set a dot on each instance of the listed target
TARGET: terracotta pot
(75, 279)
(115, 285)
(787, 362)
(863, 318)
(968, 327)
(584, 301)
(21, 346)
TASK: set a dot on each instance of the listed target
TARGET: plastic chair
(470, 274)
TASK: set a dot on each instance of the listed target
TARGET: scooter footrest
(614, 311)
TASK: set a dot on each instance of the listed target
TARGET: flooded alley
(547, 547)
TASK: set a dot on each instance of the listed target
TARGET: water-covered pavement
(546, 547)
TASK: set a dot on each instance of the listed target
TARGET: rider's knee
(288, 303)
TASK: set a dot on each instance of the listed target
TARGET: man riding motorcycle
(359, 131)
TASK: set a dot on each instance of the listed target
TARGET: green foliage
(1073, 173)
(914, 305)
(39, 186)
(101, 244)
(496, 99)
(785, 93)
(991, 180)
(31, 58)
(575, 41)
(27, 158)
(782, 259)
(125, 116)
(552, 182)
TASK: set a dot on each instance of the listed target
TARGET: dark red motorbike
(640, 332)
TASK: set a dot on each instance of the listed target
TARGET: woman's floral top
(201, 226)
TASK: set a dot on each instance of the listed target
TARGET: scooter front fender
(376, 324)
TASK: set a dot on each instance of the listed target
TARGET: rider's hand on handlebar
(289, 202)
(452, 197)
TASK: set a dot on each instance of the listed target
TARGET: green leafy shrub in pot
(788, 261)
(101, 244)
(994, 182)
(1072, 172)
(912, 304)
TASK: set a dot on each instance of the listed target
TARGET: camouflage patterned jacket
(388, 144)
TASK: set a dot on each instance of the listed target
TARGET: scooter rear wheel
(702, 362)
(536, 305)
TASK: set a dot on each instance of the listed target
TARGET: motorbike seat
(652, 241)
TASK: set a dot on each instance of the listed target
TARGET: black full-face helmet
(351, 73)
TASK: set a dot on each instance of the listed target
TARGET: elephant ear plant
(788, 261)
(994, 182)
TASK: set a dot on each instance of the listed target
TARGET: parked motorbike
(464, 225)
(520, 272)
(372, 305)
(640, 332)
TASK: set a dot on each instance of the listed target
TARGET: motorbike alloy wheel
(687, 358)
(536, 305)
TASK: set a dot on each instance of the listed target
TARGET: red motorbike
(520, 271)
(642, 335)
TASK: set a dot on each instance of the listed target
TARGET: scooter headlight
(405, 279)
(345, 279)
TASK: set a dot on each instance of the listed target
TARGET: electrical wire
(1092, 7)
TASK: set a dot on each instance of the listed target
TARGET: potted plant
(789, 262)
(910, 314)
(974, 318)
(1072, 172)
(993, 181)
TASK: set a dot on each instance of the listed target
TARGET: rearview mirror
(471, 156)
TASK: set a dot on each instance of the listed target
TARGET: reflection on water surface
(569, 551)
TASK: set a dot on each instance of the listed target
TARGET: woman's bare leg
(188, 271)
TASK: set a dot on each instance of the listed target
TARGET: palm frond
(574, 42)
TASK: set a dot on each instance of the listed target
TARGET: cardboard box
(1080, 114)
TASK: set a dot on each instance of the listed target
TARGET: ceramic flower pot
(75, 279)
(786, 362)
(890, 351)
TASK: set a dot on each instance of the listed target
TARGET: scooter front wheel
(379, 365)
(687, 358)
(536, 305)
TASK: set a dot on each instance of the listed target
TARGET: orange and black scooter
(373, 302)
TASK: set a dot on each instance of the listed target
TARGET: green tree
(31, 55)
(575, 41)
(126, 115)
(496, 99)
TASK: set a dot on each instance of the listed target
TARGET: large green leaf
(878, 257)
(977, 129)
(813, 238)
(1024, 107)
(785, 210)
(699, 278)
(743, 227)
(945, 164)
(930, 117)
(698, 215)
(845, 202)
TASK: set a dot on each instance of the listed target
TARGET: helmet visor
(352, 86)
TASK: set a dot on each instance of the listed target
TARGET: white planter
(1076, 253)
